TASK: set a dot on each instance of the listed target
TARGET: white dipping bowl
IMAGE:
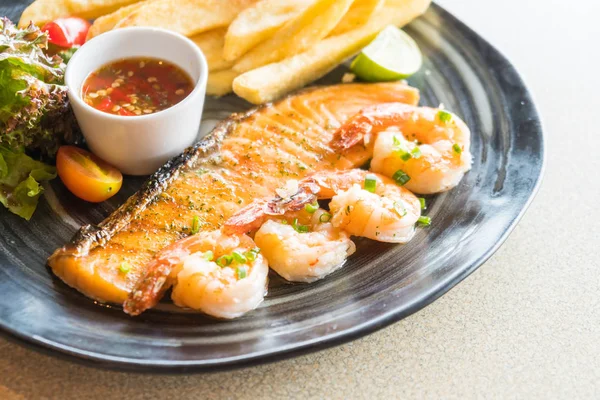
(138, 145)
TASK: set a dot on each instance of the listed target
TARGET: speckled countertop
(524, 325)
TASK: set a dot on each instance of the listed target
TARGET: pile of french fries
(259, 49)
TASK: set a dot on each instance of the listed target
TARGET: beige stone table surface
(524, 325)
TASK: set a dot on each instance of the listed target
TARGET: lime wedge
(391, 56)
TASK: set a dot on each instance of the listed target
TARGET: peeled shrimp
(386, 213)
(426, 149)
(293, 197)
(301, 246)
(205, 276)
(304, 256)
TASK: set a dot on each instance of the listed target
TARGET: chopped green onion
(250, 255)
(401, 177)
(208, 255)
(349, 209)
(241, 271)
(457, 149)
(370, 183)
(424, 221)
(400, 150)
(125, 267)
(224, 261)
(444, 116)
(284, 222)
(195, 225)
(423, 204)
(239, 257)
(311, 208)
(416, 152)
(299, 228)
(325, 217)
(400, 209)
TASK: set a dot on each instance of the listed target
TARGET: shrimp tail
(369, 121)
(306, 193)
(352, 133)
(149, 290)
(258, 212)
(247, 219)
(151, 286)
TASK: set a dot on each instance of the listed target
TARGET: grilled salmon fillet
(245, 157)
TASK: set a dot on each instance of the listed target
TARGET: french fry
(107, 22)
(401, 12)
(220, 82)
(297, 35)
(188, 17)
(211, 43)
(42, 11)
(358, 14)
(257, 23)
(274, 80)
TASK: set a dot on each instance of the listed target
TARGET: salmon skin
(245, 157)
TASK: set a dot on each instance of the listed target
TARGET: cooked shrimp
(425, 149)
(221, 275)
(369, 205)
(306, 249)
(301, 246)
(293, 197)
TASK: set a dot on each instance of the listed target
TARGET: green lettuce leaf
(35, 116)
(34, 110)
(20, 181)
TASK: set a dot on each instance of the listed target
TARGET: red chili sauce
(136, 86)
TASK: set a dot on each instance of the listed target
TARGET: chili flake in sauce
(136, 86)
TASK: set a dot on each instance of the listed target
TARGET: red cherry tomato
(87, 176)
(67, 32)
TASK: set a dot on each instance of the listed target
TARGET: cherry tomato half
(67, 32)
(87, 176)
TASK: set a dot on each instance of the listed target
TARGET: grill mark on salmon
(245, 157)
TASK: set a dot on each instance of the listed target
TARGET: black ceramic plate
(380, 285)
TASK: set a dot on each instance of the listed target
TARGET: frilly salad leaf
(20, 181)
(35, 117)
(34, 110)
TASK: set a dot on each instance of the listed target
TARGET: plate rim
(373, 325)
